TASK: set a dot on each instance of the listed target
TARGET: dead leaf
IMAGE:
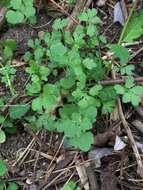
(100, 3)
(119, 144)
(138, 125)
(98, 153)
(120, 12)
(139, 110)
(107, 138)
(108, 179)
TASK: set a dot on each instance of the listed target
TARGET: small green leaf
(127, 69)
(108, 107)
(119, 89)
(120, 52)
(5, 3)
(129, 82)
(59, 24)
(12, 186)
(58, 49)
(91, 30)
(29, 11)
(38, 53)
(17, 111)
(83, 17)
(8, 43)
(67, 83)
(71, 185)
(89, 63)
(94, 91)
(2, 185)
(135, 100)
(16, 4)
(3, 168)
(1, 119)
(126, 97)
(31, 43)
(14, 17)
(138, 90)
(81, 143)
(69, 127)
(2, 136)
(91, 13)
(37, 104)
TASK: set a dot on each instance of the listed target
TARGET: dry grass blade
(47, 175)
(81, 170)
(79, 7)
(22, 157)
(65, 12)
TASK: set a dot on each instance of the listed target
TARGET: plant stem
(127, 22)
(8, 81)
(10, 85)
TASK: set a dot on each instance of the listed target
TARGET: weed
(21, 11)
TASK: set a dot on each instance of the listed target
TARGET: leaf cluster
(65, 69)
(21, 11)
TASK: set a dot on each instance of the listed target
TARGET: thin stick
(49, 184)
(133, 144)
(87, 5)
(119, 81)
(64, 11)
(120, 110)
(75, 13)
(25, 152)
(136, 53)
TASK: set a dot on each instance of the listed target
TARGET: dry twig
(133, 144)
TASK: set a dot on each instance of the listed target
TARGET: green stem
(8, 81)
(10, 85)
(127, 22)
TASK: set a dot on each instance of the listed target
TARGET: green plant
(131, 92)
(21, 11)
(12, 186)
(3, 168)
(71, 185)
(7, 72)
(8, 186)
(65, 69)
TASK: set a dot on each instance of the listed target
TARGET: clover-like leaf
(17, 111)
(95, 90)
(119, 89)
(129, 82)
(89, 63)
(120, 52)
(14, 17)
(16, 4)
(81, 143)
